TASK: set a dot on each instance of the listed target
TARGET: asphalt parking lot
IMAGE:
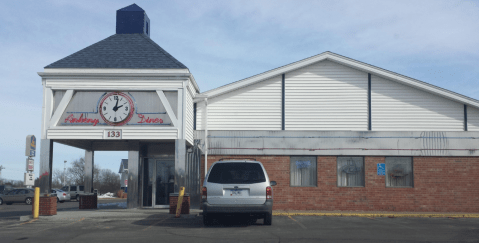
(10, 214)
(142, 225)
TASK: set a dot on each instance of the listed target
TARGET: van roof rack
(237, 159)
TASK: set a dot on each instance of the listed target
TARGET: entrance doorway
(159, 180)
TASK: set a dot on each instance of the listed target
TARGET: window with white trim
(303, 171)
(399, 172)
(350, 171)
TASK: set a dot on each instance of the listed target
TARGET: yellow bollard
(36, 203)
(180, 201)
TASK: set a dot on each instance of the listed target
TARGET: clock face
(116, 108)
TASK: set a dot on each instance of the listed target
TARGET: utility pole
(64, 171)
(1, 168)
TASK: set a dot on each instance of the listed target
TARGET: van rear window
(236, 173)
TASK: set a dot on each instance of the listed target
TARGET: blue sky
(225, 41)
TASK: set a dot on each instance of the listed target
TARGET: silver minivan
(237, 186)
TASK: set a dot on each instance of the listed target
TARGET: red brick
(441, 184)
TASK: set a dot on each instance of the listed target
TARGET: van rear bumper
(267, 207)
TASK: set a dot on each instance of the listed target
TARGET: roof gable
(346, 62)
(121, 51)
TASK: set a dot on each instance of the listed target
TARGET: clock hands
(116, 106)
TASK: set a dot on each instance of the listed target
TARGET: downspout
(206, 136)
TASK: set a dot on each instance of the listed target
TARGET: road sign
(29, 179)
(30, 164)
(30, 146)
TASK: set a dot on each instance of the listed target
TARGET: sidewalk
(375, 214)
(142, 213)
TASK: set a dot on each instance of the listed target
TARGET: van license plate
(235, 192)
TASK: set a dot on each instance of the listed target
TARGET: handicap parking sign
(381, 169)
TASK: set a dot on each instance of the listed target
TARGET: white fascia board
(200, 98)
(103, 75)
(347, 62)
(52, 72)
(113, 70)
(194, 83)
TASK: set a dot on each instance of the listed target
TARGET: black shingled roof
(120, 51)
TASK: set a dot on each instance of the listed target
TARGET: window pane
(303, 171)
(399, 172)
(350, 171)
(81, 188)
(236, 173)
(73, 188)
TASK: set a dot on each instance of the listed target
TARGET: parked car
(237, 186)
(17, 196)
(61, 195)
(74, 191)
(5, 188)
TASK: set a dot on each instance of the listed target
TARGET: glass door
(158, 183)
(165, 179)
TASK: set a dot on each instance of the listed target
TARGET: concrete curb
(379, 215)
(26, 218)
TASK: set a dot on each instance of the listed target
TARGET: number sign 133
(112, 134)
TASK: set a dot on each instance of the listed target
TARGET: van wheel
(28, 200)
(1, 201)
(268, 219)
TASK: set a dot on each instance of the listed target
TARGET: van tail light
(204, 193)
(64, 194)
(269, 193)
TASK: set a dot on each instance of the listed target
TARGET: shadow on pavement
(194, 221)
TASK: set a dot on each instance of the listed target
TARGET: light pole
(1, 168)
(64, 171)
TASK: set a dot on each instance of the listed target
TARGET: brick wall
(47, 206)
(441, 184)
(185, 205)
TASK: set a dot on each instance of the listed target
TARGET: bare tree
(57, 179)
(109, 181)
(76, 172)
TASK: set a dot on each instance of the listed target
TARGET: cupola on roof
(131, 47)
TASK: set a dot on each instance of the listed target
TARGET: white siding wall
(397, 107)
(256, 107)
(189, 117)
(472, 119)
(326, 96)
(200, 115)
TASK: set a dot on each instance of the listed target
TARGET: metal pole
(1, 168)
(64, 171)
(36, 203)
(206, 136)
